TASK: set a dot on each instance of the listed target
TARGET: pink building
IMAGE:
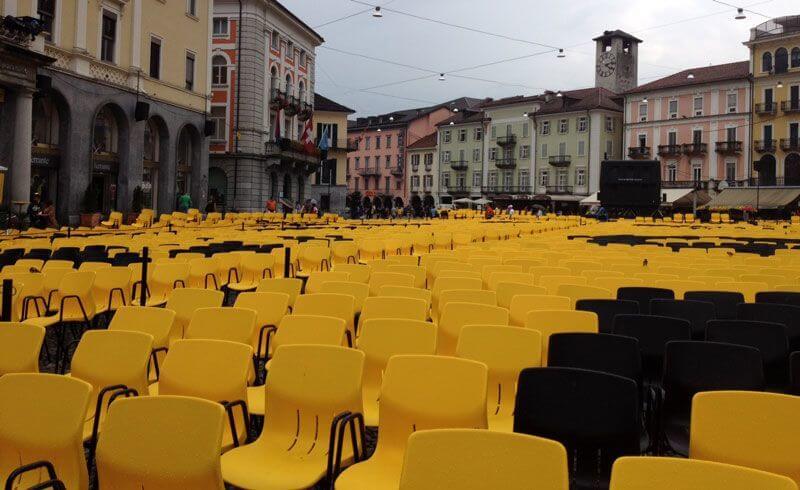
(377, 166)
(696, 122)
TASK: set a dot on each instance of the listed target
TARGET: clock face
(607, 64)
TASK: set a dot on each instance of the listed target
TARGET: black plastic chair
(613, 354)
(787, 315)
(606, 310)
(725, 302)
(594, 415)
(94, 249)
(653, 333)
(67, 253)
(691, 367)
(769, 338)
(780, 297)
(794, 364)
(38, 253)
(124, 259)
(698, 313)
(643, 296)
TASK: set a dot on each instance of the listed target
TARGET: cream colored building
(329, 183)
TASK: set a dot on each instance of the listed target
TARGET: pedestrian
(184, 202)
(34, 210)
(510, 211)
(489, 211)
(47, 217)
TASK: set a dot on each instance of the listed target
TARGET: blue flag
(324, 144)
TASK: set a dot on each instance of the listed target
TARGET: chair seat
(501, 423)
(374, 473)
(269, 466)
(42, 321)
(242, 286)
(256, 399)
(153, 389)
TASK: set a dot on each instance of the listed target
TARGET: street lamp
(561, 53)
(377, 12)
(740, 14)
(441, 77)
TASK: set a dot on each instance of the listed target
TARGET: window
(563, 126)
(415, 181)
(492, 153)
(387, 182)
(643, 111)
(357, 163)
(545, 127)
(388, 161)
(428, 161)
(697, 136)
(492, 179)
(478, 134)
(428, 181)
(290, 50)
(609, 149)
(446, 136)
(508, 180)
(642, 138)
(580, 177)
(288, 85)
(494, 132)
(698, 106)
(731, 134)
(155, 57)
(219, 71)
(672, 172)
(766, 62)
(462, 135)
(189, 71)
(366, 162)
(191, 7)
(388, 141)
(302, 59)
(220, 27)
(445, 157)
(697, 172)
(544, 150)
(730, 171)
(673, 109)
(461, 181)
(583, 124)
(781, 60)
(795, 56)
(476, 155)
(367, 142)
(445, 179)
(544, 178)
(47, 13)
(609, 124)
(767, 131)
(108, 41)
(218, 116)
(275, 41)
(525, 130)
(581, 148)
(524, 151)
(377, 142)
(476, 179)
(733, 102)
(562, 149)
(415, 161)
(355, 183)
(672, 138)
(524, 179)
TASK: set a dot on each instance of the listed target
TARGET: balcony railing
(766, 108)
(459, 164)
(790, 144)
(291, 152)
(790, 105)
(669, 150)
(278, 99)
(397, 171)
(639, 152)
(559, 189)
(428, 167)
(507, 140)
(695, 148)
(369, 171)
(774, 182)
(458, 189)
(684, 184)
(560, 160)
(765, 146)
(414, 168)
(729, 147)
(503, 189)
(505, 163)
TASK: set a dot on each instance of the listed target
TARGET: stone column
(21, 162)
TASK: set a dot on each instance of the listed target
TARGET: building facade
(696, 122)
(423, 173)
(329, 184)
(461, 155)
(122, 104)
(775, 65)
(262, 74)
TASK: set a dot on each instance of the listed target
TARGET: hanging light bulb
(524, 114)
(559, 94)
(391, 118)
(740, 14)
(690, 76)
(377, 12)
(780, 84)
(561, 53)
(441, 77)
(644, 100)
(379, 130)
(452, 123)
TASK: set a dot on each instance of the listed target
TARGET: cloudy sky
(677, 34)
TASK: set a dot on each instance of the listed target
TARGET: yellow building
(329, 185)
(775, 65)
(121, 105)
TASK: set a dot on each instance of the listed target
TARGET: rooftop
(425, 142)
(401, 118)
(617, 33)
(324, 104)
(297, 19)
(464, 117)
(705, 74)
(514, 99)
(582, 100)
(776, 27)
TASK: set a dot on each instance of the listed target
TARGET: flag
(306, 139)
(324, 140)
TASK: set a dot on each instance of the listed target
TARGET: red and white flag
(307, 139)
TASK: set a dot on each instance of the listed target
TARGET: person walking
(184, 202)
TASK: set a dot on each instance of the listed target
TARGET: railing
(507, 140)
(505, 163)
(397, 171)
(695, 148)
(459, 164)
(669, 150)
(428, 167)
(560, 160)
(414, 168)
(369, 171)
(559, 189)
(291, 151)
(729, 147)
(502, 189)
(790, 144)
(458, 189)
(684, 184)
(766, 108)
(790, 105)
(765, 146)
(639, 152)
(774, 182)
(277, 98)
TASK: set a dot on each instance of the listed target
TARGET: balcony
(669, 150)
(560, 160)
(458, 189)
(415, 168)
(729, 147)
(505, 163)
(507, 140)
(428, 167)
(293, 106)
(277, 99)
(398, 171)
(306, 111)
(790, 144)
(559, 189)
(289, 151)
(639, 152)
(502, 189)
(765, 146)
(459, 164)
(774, 182)
(766, 108)
(695, 149)
(684, 184)
(369, 172)
(790, 106)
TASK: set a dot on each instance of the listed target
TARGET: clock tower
(617, 61)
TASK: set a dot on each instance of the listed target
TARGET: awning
(565, 198)
(675, 197)
(590, 200)
(763, 198)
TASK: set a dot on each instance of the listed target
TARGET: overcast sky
(677, 34)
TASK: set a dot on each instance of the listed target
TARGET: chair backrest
(781, 297)
(522, 304)
(577, 292)
(378, 279)
(358, 272)
(725, 302)
(770, 339)
(757, 430)
(406, 292)
(110, 287)
(548, 322)
(473, 459)
(456, 315)
(20, 345)
(794, 373)
(698, 313)
(42, 420)
(309, 329)
(416, 271)
(497, 277)
(606, 310)
(747, 289)
(635, 473)
(388, 307)
(613, 354)
(480, 296)
(289, 285)
(328, 304)
(653, 333)
(552, 283)
(270, 308)
(224, 323)
(643, 295)
(185, 301)
(507, 290)
(156, 322)
(211, 369)
(787, 315)
(145, 439)
(592, 413)
(358, 290)
(317, 278)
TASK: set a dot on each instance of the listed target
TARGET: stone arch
(109, 158)
(273, 185)
(217, 185)
(791, 169)
(766, 170)
(187, 162)
(50, 146)
(155, 161)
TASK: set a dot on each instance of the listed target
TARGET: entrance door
(794, 97)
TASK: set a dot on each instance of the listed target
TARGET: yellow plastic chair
(757, 430)
(358, 272)
(64, 264)
(328, 304)
(496, 278)
(447, 283)
(203, 273)
(748, 289)
(406, 292)
(477, 296)
(317, 278)
(397, 308)
(522, 304)
(289, 285)
(185, 301)
(614, 283)
(358, 290)
(378, 279)
(381, 339)
(255, 268)
(41, 420)
(224, 323)
(470, 459)
(313, 258)
(20, 346)
(552, 283)
(549, 322)
(506, 351)
(680, 287)
(308, 387)
(575, 292)
(651, 473)
(546, 270)
(156, 322)
(770, 280)
(166, 278)
(457, 315)
(418, 393)
(416, 271)
(110, 288)
(488, 270)
(507, 290)
(270, 309)
(344, 252)
(577, 267)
